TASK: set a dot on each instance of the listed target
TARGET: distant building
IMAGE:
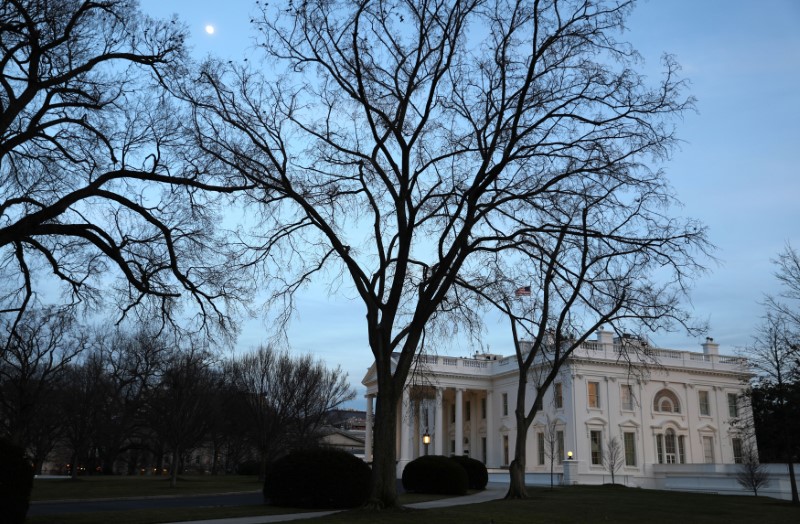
(677, 411)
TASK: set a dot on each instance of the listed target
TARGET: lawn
(574, 504)
(107, 487)
(592, 504)
(104, 487)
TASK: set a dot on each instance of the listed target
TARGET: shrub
(435, 474)
(248, 467)
(477, 475)
(317, 478)
(16, 483)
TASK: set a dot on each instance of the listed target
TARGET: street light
(426, 439)
(569, 455)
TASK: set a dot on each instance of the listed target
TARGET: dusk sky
(737, 170)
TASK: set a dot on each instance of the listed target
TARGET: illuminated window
(594, 394)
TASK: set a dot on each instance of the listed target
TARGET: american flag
(523, 292)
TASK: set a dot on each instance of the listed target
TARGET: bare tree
(32, 365)
(178, 407)
(752, 474)
(406, 145)
(552, 451)
(773, 357)
(287, 398)
(91, 175)
(596, 268)
(613, 457)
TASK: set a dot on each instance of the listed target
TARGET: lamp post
(569, 455)
(426, 439)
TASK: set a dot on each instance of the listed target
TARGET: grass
(102, 487)
(594, 505)
(132, 487)
(574, 504)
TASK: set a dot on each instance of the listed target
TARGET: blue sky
(737, 170)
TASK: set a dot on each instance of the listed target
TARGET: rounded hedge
(317, 478)
(477, 474)
(435, 474)
(16, 483)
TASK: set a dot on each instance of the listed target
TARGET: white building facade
(665, 415)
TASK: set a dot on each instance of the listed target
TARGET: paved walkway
(493, 491)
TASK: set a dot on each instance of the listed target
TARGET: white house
(673, 412)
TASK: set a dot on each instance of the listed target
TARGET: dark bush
(317, 478)
(248, 467)
(16, 483)
(477, 475)
(435, 474)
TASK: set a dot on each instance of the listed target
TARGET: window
(505, 449)
(629, 441)
(483, 450)
(708, 450)
(733, 409)
(483, 408)
(560, 446)
(505, 406)
(594, 394)
(540, 447)
(670, 448)
(596, 438)
(453, 413)
(705, 405)
(452, 447)
(468, 409)
(666, 402)
(627, 397)
(660, 448)
(558, 395)
(736, 442)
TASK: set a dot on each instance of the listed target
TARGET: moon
(210, 29)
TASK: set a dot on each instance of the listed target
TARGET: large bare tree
(399, 147)
(610, 256)
(92, 179)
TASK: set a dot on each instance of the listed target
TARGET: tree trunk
(383, 492)
(516, 470)
(173, 474)
(74, 465)
(793, 483)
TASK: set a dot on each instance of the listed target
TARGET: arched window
(670, 448)
(666, 402)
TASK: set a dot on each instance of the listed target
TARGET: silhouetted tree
(90, 178)
(775, 356)
(178, 407)
(287, 398)
(32, 366)
(407, 144)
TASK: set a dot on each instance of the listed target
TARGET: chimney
(710, 347)
(605, 338)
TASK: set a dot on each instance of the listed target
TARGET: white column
(438, 425)
(475, 420)
(368, 432)
(459, 421)
(490, 459)
(405, 433)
